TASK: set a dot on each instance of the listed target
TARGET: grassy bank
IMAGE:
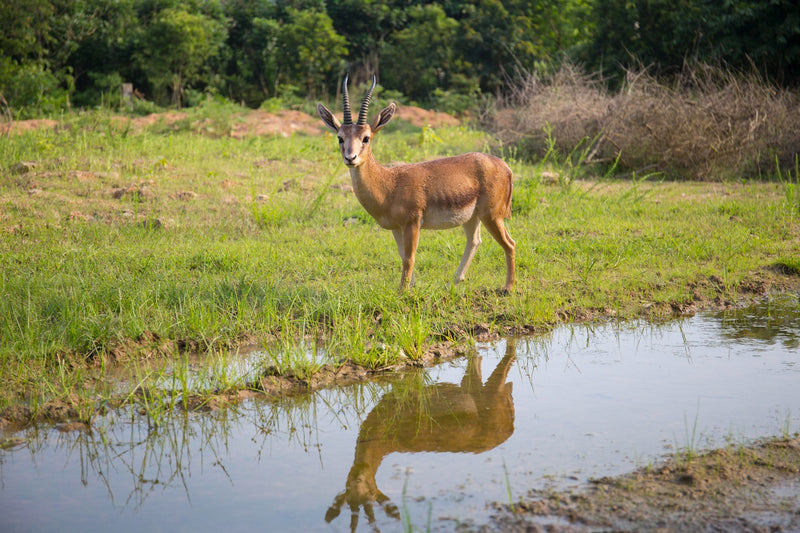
(120, 242)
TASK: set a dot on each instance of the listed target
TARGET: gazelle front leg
(407, 240)
(472, 230)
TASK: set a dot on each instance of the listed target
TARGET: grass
(119, 243)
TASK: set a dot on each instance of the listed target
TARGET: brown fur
(464, 190)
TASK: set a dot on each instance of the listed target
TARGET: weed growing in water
(508, 489)
(786, 425)
(411, 332)
(685, 454)
(291, 354)
(405, 514)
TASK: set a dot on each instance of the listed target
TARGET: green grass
(122, 242)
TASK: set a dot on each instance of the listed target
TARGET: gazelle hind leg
(497, 228)
(472, 230)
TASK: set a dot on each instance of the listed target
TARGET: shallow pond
(430, 450)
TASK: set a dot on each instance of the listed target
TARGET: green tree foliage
(26, 80)
(176, 46)
(422, 54)
(250, 63)
(311, 49)
(55, 51)
(663, 34)
(367, 25)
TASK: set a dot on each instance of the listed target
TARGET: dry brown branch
(709, 123)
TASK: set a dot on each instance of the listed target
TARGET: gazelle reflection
(470, 417)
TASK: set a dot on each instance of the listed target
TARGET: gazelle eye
(341, 140)
(366, 140)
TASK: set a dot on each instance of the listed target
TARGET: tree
(26, 37)
(311, 51)
(176, 46)
(422, 55)
(367, 25)
(250, 52)
(663, 34)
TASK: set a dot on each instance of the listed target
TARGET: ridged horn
(362, 114)
(348, 118)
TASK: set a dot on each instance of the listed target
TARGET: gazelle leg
(498, 230)
(472, 230)
(401, 249)
(407, 240)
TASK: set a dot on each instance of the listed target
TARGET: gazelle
(464, 190)
(470, 417)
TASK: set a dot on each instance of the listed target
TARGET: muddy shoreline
(749, 488)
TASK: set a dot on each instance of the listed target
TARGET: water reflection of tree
(776, 319)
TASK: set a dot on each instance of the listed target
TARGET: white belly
(434, 218)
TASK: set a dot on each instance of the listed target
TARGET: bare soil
(423, 117)
(737, 489)
(251, 122)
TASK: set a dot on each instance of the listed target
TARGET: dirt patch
(423, 117)
(20, 126)
(752, 488)
(156, 118)
(283, 123)
(254, 122)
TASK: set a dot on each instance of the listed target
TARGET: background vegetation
(55, 54)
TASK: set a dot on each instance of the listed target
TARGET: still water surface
(438, 446)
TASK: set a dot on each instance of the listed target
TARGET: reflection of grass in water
(154, 451)
(405, 512)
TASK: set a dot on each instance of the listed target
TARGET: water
(437, 446)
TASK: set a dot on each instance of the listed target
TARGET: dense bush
(707, 123)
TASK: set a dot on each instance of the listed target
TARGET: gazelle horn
(362, 114)
(348, 118)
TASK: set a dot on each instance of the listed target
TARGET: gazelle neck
(371, 184)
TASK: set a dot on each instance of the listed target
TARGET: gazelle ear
(384, 117)
(328, 118)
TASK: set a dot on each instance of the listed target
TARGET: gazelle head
(355, 139)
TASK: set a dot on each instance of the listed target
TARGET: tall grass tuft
(791, 184)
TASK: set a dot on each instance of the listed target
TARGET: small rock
(23, 167)
(185, 195)
(68, 427)
(155, 224)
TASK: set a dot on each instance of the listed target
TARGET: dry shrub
(709, 123)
